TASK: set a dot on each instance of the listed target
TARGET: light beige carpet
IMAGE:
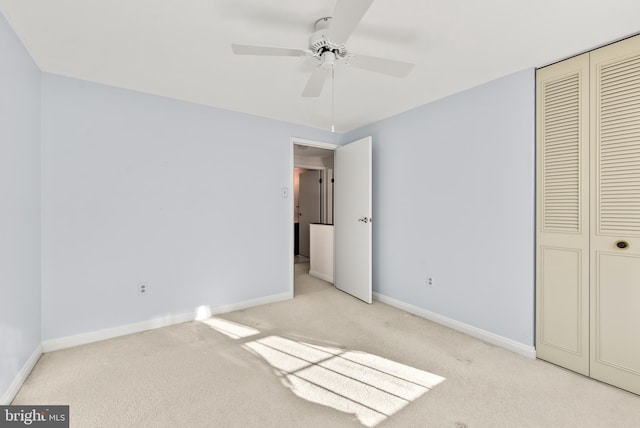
(323, 359)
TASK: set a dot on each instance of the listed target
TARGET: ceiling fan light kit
(322, 48)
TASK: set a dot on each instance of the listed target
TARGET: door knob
(623, 245)
(365, 219)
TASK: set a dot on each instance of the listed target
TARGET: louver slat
(619, 147)
(561, 155)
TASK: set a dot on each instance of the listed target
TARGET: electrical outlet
(430, 281)
(143, 288)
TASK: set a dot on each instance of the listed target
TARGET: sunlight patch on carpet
(368, 386)
(230, 328)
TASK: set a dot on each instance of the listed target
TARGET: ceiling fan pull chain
(333, 95)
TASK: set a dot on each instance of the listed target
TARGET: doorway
(352, 216)
(312, 210)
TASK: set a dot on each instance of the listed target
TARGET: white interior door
(309, 212)
(352, 219)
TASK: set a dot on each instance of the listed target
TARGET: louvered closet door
(615, 214)
(562, 249)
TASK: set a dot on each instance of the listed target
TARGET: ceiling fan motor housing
(319, 43)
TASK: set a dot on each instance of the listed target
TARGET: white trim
(312, 143)
(313, 167)
(322, 276)
(487, 336)
(110, 333)
(274, 298)
(290, 223)
(22, 375)
(123, 330)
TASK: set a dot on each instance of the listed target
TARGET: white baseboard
(494, 339)
(109, 333)
(274, 298)
(123, 330)
(328, 278)
(22, 375)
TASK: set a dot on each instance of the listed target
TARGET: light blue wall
(143, 188)
(19, 206)
(453, 187)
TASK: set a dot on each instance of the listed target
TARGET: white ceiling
(181, 48)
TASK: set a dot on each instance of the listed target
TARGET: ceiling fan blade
(389, 67)
(346, 17)
(267, 50)
(316, 82)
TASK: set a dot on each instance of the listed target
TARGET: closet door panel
(561, 326)
(562, 247)
(615, 214)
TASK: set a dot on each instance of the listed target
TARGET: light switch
(285, 192)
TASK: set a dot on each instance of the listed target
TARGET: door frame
(301, 142)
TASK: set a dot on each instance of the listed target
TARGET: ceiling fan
(327, 45)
